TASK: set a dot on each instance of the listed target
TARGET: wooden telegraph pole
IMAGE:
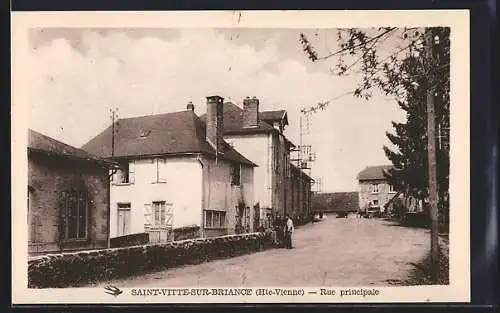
(431, 151)
(113, 115)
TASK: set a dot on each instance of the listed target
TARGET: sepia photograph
(228, 157)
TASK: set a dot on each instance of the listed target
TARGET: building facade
(373, 189)
(259, 136)
(68, 197)
(176, 171)
(299, 193)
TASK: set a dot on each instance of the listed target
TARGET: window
(74, 215)
(159, 213)
(215, 219)
(374, 188)
(375, 202)
(145, 133)
(236, 174)
(126, 173)
(391, 189)
(161, 170)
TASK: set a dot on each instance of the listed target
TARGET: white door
(123, 219)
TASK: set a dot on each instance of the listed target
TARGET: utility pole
(431, 151)
(114, 116)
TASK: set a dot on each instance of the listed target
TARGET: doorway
(123, 219)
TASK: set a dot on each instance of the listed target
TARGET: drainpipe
(202, 224)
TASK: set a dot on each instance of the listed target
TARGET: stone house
(373, 189)
(68, 197)
(259, 136)
(176, 171)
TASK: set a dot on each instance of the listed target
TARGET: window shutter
(62, 215)
(162, 170)
(131, 172)
(147, 215)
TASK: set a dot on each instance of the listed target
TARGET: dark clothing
(288, 239)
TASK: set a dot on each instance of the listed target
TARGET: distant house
(374, 191)
(177, 171)
(335, 202)
(68, 197)
(259, 136)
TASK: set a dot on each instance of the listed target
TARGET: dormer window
(145, 133)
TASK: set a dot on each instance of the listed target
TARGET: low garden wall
(82, 268)
(129, 240)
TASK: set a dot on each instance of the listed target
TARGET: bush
(83, 268)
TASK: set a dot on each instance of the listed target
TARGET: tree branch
(358, 45)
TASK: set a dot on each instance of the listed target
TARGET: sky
(77, 75)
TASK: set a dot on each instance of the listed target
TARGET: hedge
(83, 268)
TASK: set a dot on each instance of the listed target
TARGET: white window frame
(221, 218)
(162, 208)
(391, 189)
(375, 188)
(130, 170)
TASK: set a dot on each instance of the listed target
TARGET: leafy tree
(406, 74)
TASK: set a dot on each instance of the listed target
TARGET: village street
(335, 251)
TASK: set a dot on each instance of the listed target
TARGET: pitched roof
(374, 172)
(335, 202)
(161, 134)
(272, 116)
(41, 143)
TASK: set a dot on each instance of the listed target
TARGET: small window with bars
(74, 215)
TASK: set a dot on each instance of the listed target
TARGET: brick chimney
(214, 122)
(190, 106)
(250, 112)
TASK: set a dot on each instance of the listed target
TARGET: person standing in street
(288, 232)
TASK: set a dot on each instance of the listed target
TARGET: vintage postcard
(240, 157)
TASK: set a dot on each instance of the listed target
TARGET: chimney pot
(190, 106)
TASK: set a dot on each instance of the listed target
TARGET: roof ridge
(151, 115)
(55, 140)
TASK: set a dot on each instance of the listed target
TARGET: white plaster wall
(183, 189)
(256, 148)
(219, 194)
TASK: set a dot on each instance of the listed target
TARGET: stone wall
(48, 177)
(82, 268)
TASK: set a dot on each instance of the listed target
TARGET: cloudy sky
(77, 75)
